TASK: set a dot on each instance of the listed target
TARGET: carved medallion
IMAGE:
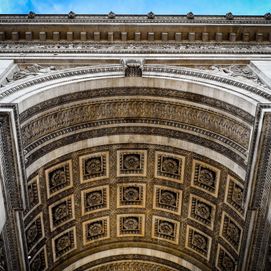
(169, 166)
(132, 162)
(58, 178)
(94, 166)
(202, 211)
(64, 243)
(198, 242)
(34, 232)
(205, 177)
(61, 212)
(95, 199)
(131, 195)
(235, 195)
(225, 262)
(39, 261)
(96, 230)
(129, 225)
(33, 193)
(167, 199)
(165, 229)
(231, 231)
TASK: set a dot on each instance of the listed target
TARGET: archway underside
(158, 180)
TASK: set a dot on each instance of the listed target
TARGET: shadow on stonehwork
(3, 262)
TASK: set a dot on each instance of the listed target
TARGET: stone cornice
(131, 19)
(125, 28)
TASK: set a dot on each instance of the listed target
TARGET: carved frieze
(165, 229)
(130, 225)
(131, 162)
(132, 195)
(96, 230)
(136, 109)
(94, 166)
(95, 199)
(205, 177)
(198, 242)
(59, 178)
(64, 243)
(61, 212)
(167, 199)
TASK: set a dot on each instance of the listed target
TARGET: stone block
(42, 36)
(56, 36)
(205, 36)
(164, 36)
(191, 36)
(110, 36)
(69, 36)
(218, 37)
(83, 36)
(137, 36)
(178, 36)
(97, 36)
(123, 36)
(150, 36)
(15, 36)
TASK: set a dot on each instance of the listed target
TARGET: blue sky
(252, 7)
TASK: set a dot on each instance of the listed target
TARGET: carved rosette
(94, 166)
(225, 261)
(96, 230)
(202, 211)
(59, 178)
(167, 199)
(231, 231)
(61, 212)
(132, 162)
(33, 192)
(131, 195)
(64, 243)
(198, 242)
(169, 166)
(39, 261)
(34, 232)
(235, 195)
(131, 225)
(95, 199)
(205, 177)
(165, 229)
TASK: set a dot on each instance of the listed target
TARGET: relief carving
(165, 229)
(231, 231)
(138, 109)
(58, 178)
(95, 199)
(95, 230)
(130, 225)
(64, 243)
(198, 242)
